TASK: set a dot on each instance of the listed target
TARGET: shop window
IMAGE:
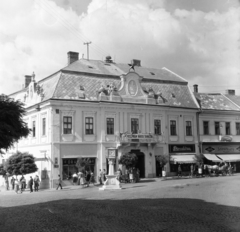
(43, 126)
(89, 125)
(217, 128)
(188, 128)
(134, 125)
(173, 128)
(205, 127)
(228, 131)
(110, 126)
(34, 128)
(67, 125)
(237, 128)
(157, 127)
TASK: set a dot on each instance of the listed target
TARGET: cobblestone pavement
(200, 204)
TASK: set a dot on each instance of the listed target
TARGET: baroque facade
(91, 107)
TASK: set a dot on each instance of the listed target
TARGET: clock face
(111, 153)
(132, 87)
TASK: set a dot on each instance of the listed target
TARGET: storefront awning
(230, 157)
(183, 158)
(212, 157)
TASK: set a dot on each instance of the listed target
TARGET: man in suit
(31, 184)
(59, 182)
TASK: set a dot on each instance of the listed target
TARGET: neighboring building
(219, 127)
(91, 107)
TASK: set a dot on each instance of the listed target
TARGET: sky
(198, 40)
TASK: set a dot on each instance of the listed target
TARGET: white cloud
(202, 47)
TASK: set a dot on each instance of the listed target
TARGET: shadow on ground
(121, 215)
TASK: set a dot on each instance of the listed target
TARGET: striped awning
(183, 159)
(212, 157)
(230, 157)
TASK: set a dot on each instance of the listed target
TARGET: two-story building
(92, 107)
(219, 127)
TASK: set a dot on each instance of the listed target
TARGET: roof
(234, 98)
(116, 69)
(217, 101)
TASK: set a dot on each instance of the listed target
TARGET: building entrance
(141, 162)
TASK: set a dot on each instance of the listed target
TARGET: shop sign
(182, 148)
(91, 161)
(221, 148)
(226, 138)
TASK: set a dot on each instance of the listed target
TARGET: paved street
(199, 204)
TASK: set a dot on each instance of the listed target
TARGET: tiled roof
(234, 98)
(68, 88)
(115, 69)
(215, 102)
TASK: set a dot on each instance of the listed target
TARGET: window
(157, 127)
(228, 131)
(67, 125)
(89, 125)
(134, 125)
(173, 128)
(34, 128)
(217, 128)
(188, 128)
(44, 126)
(110, 126)
(205, 128)
(237, 128)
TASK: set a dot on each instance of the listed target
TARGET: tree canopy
(83, 164)
(163, 159)
(20, 164)
(12, 126)
(2, 170)
(199, 159)
(129, 160)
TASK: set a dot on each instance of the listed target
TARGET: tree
(129, 160)
(20, 164)
(12, 126)
(199, 159)
(163, 159)
(83, 164)
(2, 170)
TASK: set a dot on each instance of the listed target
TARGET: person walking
(92, 178)
(36, 183)
(100, 178)
(59, 183)
(179, 170)
(12, 181)
(16, 185)
(6, 182)
(88, 176)
(23, 183)
(191, 170)
(30, 183)
(75, 178)
(104, 175)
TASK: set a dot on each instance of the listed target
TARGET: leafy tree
(199, 159)
(129, 160)
(83, 164)
(21, 164)
(12, 126)
(163, 159)
(2, 170)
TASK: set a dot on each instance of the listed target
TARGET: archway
(141, 162)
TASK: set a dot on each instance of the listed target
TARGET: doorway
(141, 162)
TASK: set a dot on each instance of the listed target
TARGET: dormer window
(152, 73)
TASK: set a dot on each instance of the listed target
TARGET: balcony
(140, 138)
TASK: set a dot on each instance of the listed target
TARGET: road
(198, 204)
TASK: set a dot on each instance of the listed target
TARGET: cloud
(203, 47)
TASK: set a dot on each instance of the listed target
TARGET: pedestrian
(16, 185)
(92, 178)
(12, 182)
(30, 183)
(104, 175)
(100, 178)
(59, 183)
(179, 170)
(83, 179)
(191, 170)
(36, 183)
(23, 183)
(88, 176)
(75, 178)
(6, 182)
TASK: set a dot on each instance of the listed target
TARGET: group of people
(84, 178)
(21, 184)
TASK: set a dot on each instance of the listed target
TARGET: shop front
(69, 166)
(223, 152)
(181, 154)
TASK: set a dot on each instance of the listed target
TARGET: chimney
(230, 91)
(136, 62)
(108, 59)
(195, 88)
(28, 79)
(72, 57)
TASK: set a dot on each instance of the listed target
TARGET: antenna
(87, 43)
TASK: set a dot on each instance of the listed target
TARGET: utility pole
(87, 43)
